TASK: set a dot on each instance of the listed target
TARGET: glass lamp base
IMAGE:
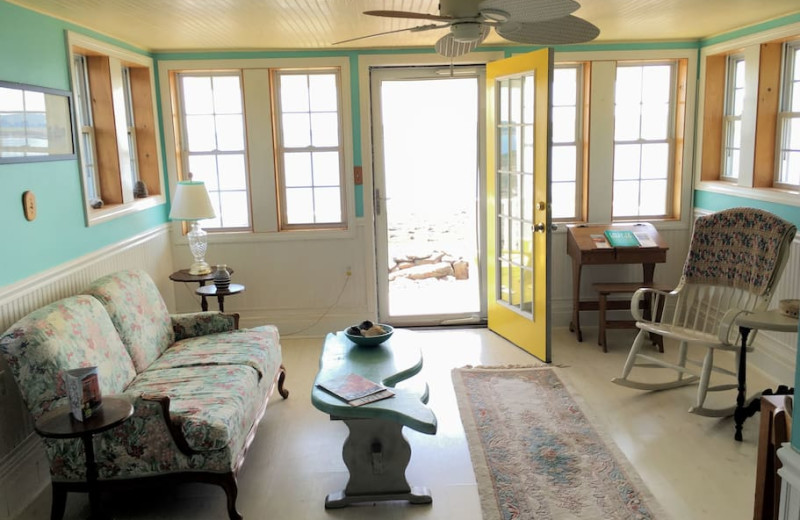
(200, 268)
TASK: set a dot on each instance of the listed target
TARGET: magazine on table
(83, 389)
(355, 390)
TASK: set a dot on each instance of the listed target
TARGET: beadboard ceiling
(185, 25)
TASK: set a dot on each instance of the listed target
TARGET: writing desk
(583, 250)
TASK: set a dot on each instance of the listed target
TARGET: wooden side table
(211, 290)
(774, 320)
(59, 424)
(201, 279)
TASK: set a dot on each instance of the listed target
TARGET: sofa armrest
(196, 324)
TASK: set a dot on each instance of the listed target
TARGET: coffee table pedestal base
(376, 454)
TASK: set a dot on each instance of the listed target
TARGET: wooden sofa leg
(59, 502)
(281, 378)
(228, 483)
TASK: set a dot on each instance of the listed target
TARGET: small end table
(211, 290)
(774, 320)
(184, 276)
(60, 424)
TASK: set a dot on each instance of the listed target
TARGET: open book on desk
(625, 238)
(355, 390)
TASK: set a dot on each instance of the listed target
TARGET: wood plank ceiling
(185, 25)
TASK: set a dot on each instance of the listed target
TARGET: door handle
(540, 227)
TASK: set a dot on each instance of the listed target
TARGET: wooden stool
(603, 290)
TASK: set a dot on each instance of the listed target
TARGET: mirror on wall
(35, 123)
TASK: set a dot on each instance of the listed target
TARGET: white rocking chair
(735, 260)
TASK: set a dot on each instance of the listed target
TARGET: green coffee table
(376, 452)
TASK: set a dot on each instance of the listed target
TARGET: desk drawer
(636, 255)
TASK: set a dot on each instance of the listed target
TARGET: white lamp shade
(191, 202)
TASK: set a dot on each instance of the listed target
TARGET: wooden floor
(691, 464)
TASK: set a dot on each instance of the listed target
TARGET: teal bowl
(371, 341)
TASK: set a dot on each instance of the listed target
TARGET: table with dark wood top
(184, 276)
(60, 424)
(583, 250)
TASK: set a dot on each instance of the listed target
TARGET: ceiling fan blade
(565, 30)
(418, 28)
(409, 14)
(449, 47)
(531, 10)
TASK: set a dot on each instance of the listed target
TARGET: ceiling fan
(534, 22)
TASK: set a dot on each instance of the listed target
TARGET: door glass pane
(515, 193)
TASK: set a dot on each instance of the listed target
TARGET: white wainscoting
(790, 483)
(24, 471)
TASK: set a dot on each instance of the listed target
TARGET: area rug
(537, 455)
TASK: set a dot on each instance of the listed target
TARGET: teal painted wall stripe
(753, 29)
(359, 200)
(718, 201)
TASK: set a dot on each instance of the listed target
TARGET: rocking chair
(735, 260)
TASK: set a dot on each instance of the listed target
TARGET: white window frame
(130, 122)
(259, 134)
(669, 140)
(83, 116)
(281, 149)
(789, 87)
(577, 142)
(731, 119)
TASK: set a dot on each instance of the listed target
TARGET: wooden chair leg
(601, 316)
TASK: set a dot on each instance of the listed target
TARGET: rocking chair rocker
(735, 260)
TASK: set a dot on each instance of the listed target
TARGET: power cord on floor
(334, 304)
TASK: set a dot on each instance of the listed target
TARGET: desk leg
(648, 272)
(575, 324)
(376, 453)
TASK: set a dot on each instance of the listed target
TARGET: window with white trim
(213, 143)
(567, 146)
(788, 163)
(732, 120)
(644, 107)
(83, 98)
(308, 148)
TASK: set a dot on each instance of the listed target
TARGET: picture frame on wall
(35, 124)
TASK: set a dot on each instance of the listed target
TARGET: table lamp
(191, 203)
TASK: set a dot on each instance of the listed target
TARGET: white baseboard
(790, 483)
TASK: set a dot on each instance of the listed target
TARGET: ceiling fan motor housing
(466, 31)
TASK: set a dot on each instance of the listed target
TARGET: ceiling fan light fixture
(495, 15)
(466, 32)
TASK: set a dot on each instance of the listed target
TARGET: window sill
(778, 196)
(113, 211)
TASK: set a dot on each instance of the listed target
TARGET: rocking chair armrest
(658, 297)
(728, 332)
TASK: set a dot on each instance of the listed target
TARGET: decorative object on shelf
(222, 277)
(790, 308)
(191, 203)
(140, 190)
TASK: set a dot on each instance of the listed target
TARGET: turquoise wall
(35, 52)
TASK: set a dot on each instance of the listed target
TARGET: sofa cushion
(138, 313)
(213, 406)
(258, 348)
(70, 333)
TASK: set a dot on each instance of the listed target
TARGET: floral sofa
(198, 384)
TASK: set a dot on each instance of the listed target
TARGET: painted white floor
(691, 464)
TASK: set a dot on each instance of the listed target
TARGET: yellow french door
(518, 199)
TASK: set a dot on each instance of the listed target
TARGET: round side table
(211, 290)
(60, 424)
(184, 276)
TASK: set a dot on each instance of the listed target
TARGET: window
(788, 171)
(643, 139)
(213, 140)
(567, 162)
(118, 139)
(308, 149)
(732, 121)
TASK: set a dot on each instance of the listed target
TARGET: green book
(621, 238)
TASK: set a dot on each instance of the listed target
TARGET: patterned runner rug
(537, 456)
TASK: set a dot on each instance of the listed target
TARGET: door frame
(367, 189)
